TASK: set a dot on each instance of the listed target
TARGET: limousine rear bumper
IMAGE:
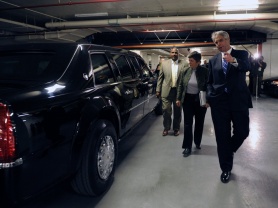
(11, 164)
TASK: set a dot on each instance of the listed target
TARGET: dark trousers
(250, 85)
(257, 80)
(227, 143)
(191, 110)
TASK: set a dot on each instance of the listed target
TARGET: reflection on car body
(63, 109)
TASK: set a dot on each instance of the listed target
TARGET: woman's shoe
(186, 152)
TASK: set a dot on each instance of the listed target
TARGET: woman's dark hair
(195, 55)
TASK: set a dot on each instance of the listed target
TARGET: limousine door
(150, 84)
(132, 110)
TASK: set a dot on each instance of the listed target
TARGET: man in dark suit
(166, 89)
(229, 99)
(258, 68)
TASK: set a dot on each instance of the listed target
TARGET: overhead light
(160, 30)
(196, 49)
(256, 55)
(99, 14)
(237, 5)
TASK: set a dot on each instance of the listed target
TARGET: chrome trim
(19, 161)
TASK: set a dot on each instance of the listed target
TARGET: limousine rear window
(25, 65)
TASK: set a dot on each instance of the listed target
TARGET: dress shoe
(176, 132)
(186, 152)
(165, 133)
(225, 176)
(198, 147)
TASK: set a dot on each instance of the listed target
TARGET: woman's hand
(178, 103)
(206, 105)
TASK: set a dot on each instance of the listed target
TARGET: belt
(190, 95)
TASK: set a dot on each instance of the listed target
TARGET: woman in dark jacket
(193, 81)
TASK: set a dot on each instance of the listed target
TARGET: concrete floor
(152, 172)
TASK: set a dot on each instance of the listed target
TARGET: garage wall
(270, 54)
(269, 51)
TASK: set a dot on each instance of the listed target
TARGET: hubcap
(106, 156)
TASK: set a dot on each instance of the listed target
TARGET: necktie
(224, 66)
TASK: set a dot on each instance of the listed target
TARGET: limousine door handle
(86, 98)
(128, 92)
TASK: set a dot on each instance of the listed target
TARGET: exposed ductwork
(67, 35)
(22, 24)
(254, 17)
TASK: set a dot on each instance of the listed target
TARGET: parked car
(64, 107)
(269, 86)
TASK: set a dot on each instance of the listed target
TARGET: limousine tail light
(7, 140)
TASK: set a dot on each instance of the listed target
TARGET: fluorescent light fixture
(236, 5)
(196, 49)
(99, 14)
(160, 30)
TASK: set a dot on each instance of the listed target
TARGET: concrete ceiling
(137, 24)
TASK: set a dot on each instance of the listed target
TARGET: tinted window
(26, 66)
(123, 66)
(144, 67)
(101, 68)
(136, 66)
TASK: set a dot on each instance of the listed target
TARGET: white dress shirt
(175, 67)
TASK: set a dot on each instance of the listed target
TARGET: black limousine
(64, 107)
(269, 86)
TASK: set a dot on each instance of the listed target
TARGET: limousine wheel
(99, 160)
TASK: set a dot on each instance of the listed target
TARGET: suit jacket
(234, 82)
(201, 76)
(164, 82)
(255, 69)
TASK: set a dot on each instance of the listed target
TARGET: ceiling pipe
(22, 24)
(167, 45)
(163, 20)
(57, 5)
(71, 35)
(269, 25)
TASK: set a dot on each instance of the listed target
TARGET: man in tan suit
(167, 89)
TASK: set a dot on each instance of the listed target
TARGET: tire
(98, 162)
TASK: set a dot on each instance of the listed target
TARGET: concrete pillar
(259, 49)
(155, 60)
